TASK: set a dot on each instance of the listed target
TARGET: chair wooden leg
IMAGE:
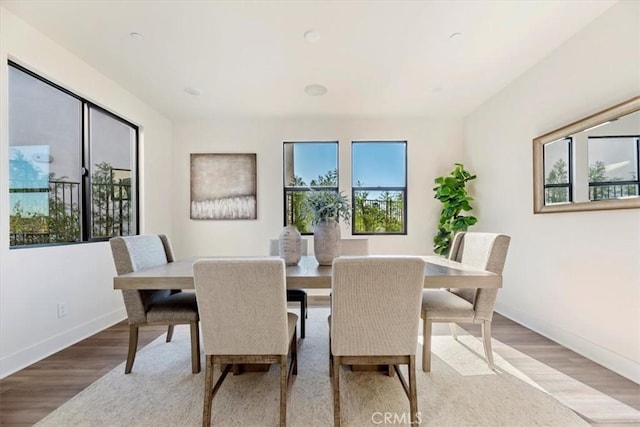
(426, 345)
(283, 391)
(336, 391)
(486, 339)
(413, 391)
(195, 347)
(208, 392)
(170, 333)
(133, 347)
(454, 332)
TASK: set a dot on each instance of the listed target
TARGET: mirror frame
(627, 107)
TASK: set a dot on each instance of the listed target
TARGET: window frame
(85, 205)
(288, 189)
(569, 184)
(404, 190)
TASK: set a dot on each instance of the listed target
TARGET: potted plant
(326, 208)
(451, 191)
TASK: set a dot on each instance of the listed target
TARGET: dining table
(439, 272)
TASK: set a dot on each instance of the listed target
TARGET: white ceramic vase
(290, 245)
(326, 241)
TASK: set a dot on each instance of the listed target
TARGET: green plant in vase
(325, 204)
(451, 191)
(326, 208)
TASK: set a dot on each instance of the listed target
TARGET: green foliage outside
(557, 175)
(384, 215)
(380, 215)
(111, 211)
(61, 222)
(451, 191)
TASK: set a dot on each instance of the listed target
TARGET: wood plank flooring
(31, 394)
(34, 392)
(567, 367)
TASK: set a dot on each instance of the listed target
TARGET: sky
(373, 163)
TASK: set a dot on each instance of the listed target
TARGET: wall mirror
(591, 164)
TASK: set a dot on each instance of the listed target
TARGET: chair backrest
(375, 307)
(274, 247)
(354, 247)
(133, 253)
(487, 251)
(242, 305)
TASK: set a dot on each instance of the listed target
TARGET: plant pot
(326, 241)
(289, 245)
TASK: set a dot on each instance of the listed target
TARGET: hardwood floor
(29, 395)
(32, 393)
(565, 371)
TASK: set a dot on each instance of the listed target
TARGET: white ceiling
(377, 58)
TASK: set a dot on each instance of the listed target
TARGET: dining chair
(354, 247)
(485, 251)
(295, 295)
(154, 307)
(375, 313)
(243, 311)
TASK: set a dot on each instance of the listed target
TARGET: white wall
(33, 281)
(574, 277)
(433, 146)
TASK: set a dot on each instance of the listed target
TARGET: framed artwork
(223, 186)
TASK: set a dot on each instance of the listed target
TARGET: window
(379, 187)
(613, 167)
(557, 172)
(72, 166)
(307, 165)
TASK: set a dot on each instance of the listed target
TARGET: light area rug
(459, 391)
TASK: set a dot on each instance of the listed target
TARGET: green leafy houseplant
(325, 204)
(451, 191)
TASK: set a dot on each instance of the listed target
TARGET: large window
(307, 165)
(557, 172)
(379, 187)
(72, 166)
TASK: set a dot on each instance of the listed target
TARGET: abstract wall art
(223, 186)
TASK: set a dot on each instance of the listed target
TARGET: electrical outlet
(63, 310)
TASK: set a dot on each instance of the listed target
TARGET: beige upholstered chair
(295, 295)
(354, 247)
(486, 251)
(375, 313)
(168, 307)
(243, 309)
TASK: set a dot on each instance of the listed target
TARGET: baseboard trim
(36, 352)
(615, 362)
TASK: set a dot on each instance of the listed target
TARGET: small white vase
(290, 245)
(326, 241)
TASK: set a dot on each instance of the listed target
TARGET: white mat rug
(460, 391)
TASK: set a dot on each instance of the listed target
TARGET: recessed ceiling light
(312, 36)
(192, 91)
(136, 36)
(315, 90)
